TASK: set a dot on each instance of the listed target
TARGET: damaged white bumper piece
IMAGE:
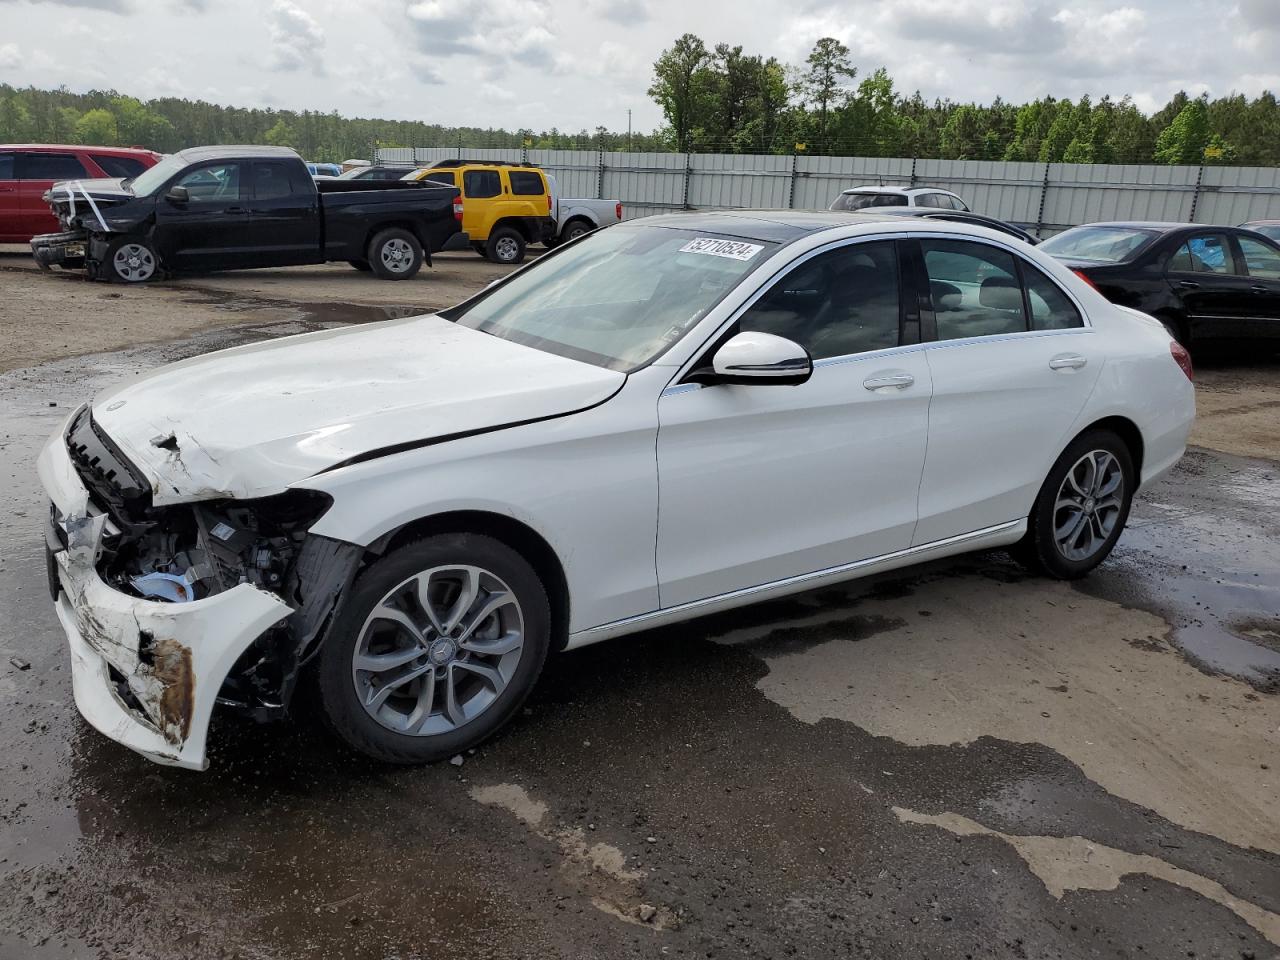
(171, 657)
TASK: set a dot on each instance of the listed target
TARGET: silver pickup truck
(575, 216)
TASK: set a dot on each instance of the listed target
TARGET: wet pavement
(952, 761)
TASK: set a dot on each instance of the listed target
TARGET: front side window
(930, 200)
(525, 183)
(1051, 309)
(479, 184)
(974, 289)
(841, 302)
(119, 166)
(1207, 253)
(216, 183)
(50, 166)
(618, 298)
(1260, 259)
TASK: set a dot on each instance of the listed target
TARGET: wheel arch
(519, 224)
(1126, 430)
(513, 533)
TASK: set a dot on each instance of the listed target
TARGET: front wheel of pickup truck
(130, 261)
(395, 254)
(435, 647)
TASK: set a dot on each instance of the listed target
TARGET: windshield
(860, 201)
(1102, 244)
(149, 181)
(618, 298)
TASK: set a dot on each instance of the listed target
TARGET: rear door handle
(899, 380)
(1189, 284)
(1259, 288)
(1071, 361)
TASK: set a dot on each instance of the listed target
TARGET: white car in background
(675, 416)
(868, 198)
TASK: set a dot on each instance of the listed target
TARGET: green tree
(1184, 140)
(15, 120)
(680, 87)
(963, 136)
(97, 126)
(281, 134)
(824, 82)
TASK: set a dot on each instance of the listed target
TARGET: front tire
(437, 646)
(130, 261)
(1082, 507)
(395, 254)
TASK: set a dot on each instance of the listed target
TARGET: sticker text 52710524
(711, 246)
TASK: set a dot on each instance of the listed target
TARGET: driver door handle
(1067, 362)
(900, 380)
(1259, 288)
(1189, 284)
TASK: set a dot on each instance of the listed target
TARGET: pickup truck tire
(130, 261)
(395, 254)
(506, 245)
(400, 690)
(574, 229)
(361, 265)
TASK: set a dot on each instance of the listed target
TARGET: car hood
(249, 421)
(106, 190)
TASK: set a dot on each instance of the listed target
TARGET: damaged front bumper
(145, 673)
(67, 249)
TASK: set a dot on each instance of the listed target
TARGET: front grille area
(114, 483)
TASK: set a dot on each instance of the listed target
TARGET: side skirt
(997, 536)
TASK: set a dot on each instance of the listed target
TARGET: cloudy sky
(579, 63)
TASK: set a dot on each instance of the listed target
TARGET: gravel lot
(956, 760)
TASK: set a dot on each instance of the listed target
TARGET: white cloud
(10, 56)
(500, 30)
(297, 41)
(626, 12)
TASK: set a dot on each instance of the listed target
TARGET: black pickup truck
(227, 208)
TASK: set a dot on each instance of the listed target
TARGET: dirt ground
(958, 760)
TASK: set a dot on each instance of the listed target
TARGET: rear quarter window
(119, 166)
(526, 183)
(6, 166)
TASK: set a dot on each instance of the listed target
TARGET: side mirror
(759, 358)
(178, 195)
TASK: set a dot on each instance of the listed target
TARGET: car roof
(236, 151)
(1264, 223)
(905, 191)
(76, 148)
(784, 226)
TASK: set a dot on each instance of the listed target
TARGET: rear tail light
(548, 203)
(1085, 277)
(1182, 358)
(457, 210)
(617, 209)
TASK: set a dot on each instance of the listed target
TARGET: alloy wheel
(397, 255)
(1088, 505)
(134, 263)
(507, 249)
(438, 650)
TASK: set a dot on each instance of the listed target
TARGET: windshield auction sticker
(733, 249)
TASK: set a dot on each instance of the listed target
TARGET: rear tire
(574, 229)
(1081, 509)
(392, 687)
(506, 246)
(395, 254)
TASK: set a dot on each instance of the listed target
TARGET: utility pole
(628, 129)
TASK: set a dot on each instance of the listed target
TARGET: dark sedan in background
(1205, 283)
(1268, 228)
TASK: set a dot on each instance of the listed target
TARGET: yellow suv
(505, 206)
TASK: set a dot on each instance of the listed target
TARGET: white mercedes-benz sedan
(663, 419)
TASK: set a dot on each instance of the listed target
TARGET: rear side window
(1260, 259)
(119, 166)
(525, 183)
(444, 176)
(974, 289)
(861, 201)
(1209, 253)
(931, 200)
(481, 183)
(1050, 307)
(6, 166)
(272, 181)
(50, 166)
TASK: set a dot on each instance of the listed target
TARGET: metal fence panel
(1046, 197)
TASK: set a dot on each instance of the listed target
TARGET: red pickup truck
(27, 170)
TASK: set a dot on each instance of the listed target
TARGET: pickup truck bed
(226, 208)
